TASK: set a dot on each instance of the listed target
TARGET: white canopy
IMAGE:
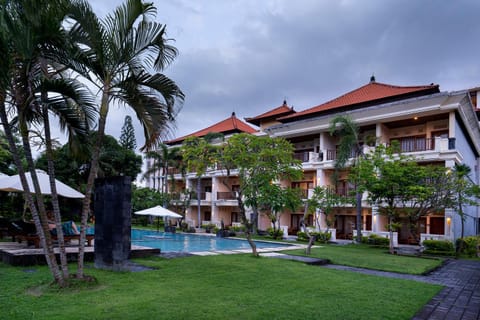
(158, 211)
(13, 184)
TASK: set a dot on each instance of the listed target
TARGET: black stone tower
(112, 222)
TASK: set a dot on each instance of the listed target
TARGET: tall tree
(127, 137)
(275, 199)
(431, 194)
(388, 177)
(325, 200)
(163, 158)
(37, 50)
(349, 147)
(464, 192)
(198, 155)
(119, 51)
(257, 161)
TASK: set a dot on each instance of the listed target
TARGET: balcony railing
(225, 196)
(203, 196)
(416, 144)
(302, 156)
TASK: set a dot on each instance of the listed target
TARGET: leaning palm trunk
(54, 195)
(41, 225)
(90, 182)
(44, 241)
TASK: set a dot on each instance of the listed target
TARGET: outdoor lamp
(449, 221)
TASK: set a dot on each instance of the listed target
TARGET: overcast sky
(248, 56)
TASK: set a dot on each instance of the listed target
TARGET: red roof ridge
(230, 124)
(371, 92)
(281, 111)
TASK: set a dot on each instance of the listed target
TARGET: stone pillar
(112, 208)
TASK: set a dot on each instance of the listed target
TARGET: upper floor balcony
(406, 144)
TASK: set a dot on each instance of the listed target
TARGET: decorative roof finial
(284, 102)
(372, 78)
(233, 114)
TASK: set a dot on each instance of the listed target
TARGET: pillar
(112, 208)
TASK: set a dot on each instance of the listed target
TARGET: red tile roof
(227, 126)
(369, 94)
(282, 111)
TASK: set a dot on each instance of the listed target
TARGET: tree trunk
(43, 230)
(358, 197)
(390, 232)
(199, 201)
(247, 225)
(45, 242)
(53, 188)
(91, 179)
(311, 239)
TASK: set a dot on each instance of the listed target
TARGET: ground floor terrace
(341, 223)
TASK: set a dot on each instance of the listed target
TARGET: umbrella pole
(158, 224)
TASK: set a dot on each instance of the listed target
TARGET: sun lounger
(24, 231)
(36, 239)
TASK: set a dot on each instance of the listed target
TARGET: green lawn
(364, 256)
(213, 287)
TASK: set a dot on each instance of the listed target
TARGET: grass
(212, 287)
(364, 256)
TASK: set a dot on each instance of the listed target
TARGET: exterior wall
(469, 159)
(382, 124)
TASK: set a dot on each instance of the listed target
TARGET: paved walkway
(460, 299)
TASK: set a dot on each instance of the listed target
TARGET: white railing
(384, 234)
(429, 236)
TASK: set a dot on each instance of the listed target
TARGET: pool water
(181, 242)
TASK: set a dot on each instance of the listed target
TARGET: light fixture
(449, 221)
(415, 118)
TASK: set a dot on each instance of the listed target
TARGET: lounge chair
(26, 232)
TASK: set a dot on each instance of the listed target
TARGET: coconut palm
(163, 158)
(33, 56)
(126, 53)
(349, 145)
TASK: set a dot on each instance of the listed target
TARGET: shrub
(184, 226)
(440, 247)
(302, 236)
(468, 245)
(322, 237)
(275, 234)
(238, 229)
(376, 240)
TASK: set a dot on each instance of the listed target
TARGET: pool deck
(20, 254)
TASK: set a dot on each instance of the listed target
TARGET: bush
(275, 234)
(184, 226)
(440, 247)
(376, 240)
(238, 229)
(322, 237)
(468, 245)
(302, 236)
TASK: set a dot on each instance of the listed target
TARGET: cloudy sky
(248, 56)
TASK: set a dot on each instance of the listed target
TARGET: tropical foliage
(43, 59)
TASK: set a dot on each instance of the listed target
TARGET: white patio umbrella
(13, 184)
(159, 211)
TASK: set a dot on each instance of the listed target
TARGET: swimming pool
(182, 242)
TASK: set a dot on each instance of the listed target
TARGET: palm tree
(349, 133)
(31, 77)
(163, 158)
(465, 192)
(120, 50)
